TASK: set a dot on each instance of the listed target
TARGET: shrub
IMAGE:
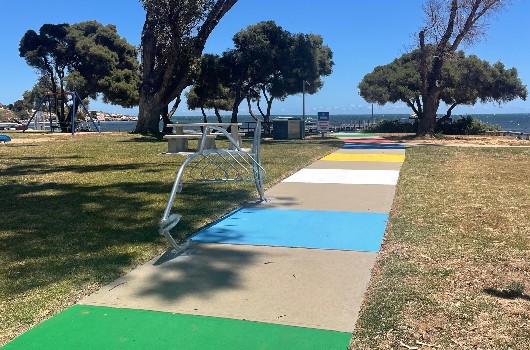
(466, 125)
(392, 126)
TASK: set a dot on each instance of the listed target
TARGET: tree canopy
(271, 63)
(447, 25)
(87, 57)
(465, 80)
(208, 91)
(267, 62)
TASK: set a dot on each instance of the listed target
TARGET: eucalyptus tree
(256, 54)
(305, 63)
(173, 38)
(447, 25)
(270, 62)
(208, 91)
(465, 80)
(88, 57)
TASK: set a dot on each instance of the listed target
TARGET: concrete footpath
(287, 274)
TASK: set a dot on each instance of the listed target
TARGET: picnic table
(178, 140)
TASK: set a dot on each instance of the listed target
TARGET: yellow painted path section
(393, 158)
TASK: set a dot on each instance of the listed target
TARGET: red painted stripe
(366, 141)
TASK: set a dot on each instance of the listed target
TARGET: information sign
(323, 122)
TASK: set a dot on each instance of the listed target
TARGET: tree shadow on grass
(45, 165)
(144, 139)
(55, 232)
(506, 294)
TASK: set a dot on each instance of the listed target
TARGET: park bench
(179, 143)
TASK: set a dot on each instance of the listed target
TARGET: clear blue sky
(362, 34)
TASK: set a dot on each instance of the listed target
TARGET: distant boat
(8, 125)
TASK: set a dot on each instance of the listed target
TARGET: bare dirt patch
(31, 137)
(459, 140)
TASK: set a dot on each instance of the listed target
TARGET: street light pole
(303, 107)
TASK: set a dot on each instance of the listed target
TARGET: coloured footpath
(290, 273)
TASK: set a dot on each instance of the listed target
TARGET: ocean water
(507, 122)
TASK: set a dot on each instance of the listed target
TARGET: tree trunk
(218, 115)
(166, 70)
(166, 120)
(267, 117)
(249, 103)
(235, 106)
(166, 116)
(149, 113)
(204, 116)
(447, 115)
(431, 76)
(427, 121)
(235, 111)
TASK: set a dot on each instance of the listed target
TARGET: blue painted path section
(372, 146)
(299, 228)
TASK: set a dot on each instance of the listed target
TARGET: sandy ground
(27, 138)
(461, 140)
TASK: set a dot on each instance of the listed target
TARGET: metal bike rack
(207, 166)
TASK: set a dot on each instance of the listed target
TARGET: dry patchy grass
(454, 265)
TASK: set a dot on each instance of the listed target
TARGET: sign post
(323, 122)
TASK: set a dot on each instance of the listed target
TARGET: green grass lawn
(453, 272)
(78, 212)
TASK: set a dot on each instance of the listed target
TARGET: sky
(361, 33)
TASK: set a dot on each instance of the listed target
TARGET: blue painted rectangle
(299, 228)
(372, 146)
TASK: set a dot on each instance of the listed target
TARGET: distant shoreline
(517, 122)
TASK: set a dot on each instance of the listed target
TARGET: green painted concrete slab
(91, 327)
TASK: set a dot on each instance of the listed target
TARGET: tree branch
(413, 107)
(472, 19)
(450, 27)
(249, 103)
(174, 108)
(259, 108)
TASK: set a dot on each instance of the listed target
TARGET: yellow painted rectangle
(394, 158)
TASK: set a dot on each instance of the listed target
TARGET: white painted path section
(345, 176)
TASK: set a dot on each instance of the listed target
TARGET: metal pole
(303, 109)
(372, 122)
(87, 111)
(72, 125)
